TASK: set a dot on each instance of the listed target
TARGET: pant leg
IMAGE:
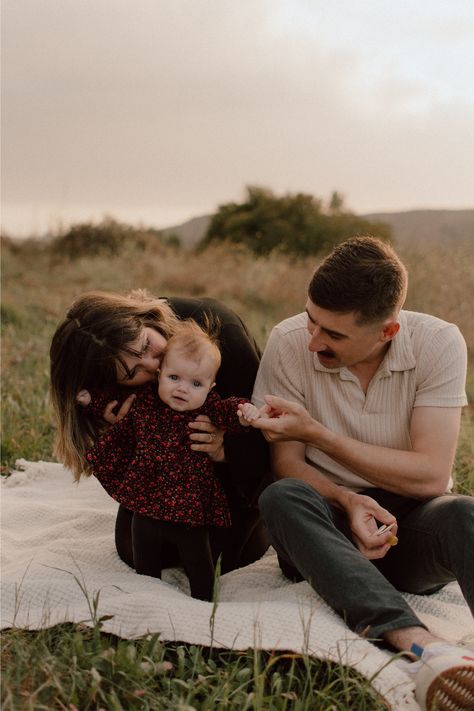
(244, 542)
(123, 535)
(195, 554)
(148, 540)
(303, 531)
(123, 541)
(436, 546)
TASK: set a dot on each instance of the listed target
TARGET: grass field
(70, 667)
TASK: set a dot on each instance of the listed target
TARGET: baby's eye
(197, 383)
(173, 377)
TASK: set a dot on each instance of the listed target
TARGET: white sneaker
(445, 678)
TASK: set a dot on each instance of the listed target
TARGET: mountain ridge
(416, 225)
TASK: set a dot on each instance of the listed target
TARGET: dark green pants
(313, 542)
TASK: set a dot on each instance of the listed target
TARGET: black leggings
(150, 543)
(153, 545)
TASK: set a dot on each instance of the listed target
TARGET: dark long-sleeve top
(146, 464)
(246, 471)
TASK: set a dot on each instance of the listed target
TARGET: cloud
(176, 105)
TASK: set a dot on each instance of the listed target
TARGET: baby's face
(184, 384)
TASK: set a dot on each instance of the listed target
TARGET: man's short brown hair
(362, 275)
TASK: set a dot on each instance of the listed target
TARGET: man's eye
(197, 383)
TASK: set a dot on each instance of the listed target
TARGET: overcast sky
(156, 111)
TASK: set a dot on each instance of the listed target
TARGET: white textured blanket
(55, 531)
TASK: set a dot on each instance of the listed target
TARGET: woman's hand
(112, 418)
(207, 438)
(83, 398)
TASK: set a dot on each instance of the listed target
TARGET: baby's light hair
(196, 342)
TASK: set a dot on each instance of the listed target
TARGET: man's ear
(390, 330)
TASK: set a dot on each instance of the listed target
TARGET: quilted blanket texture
(57, 534)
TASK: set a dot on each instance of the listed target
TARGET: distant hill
(428, 225)
(190, 232)
(410, 226)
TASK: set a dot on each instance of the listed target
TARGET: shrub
(296, 224)
(106, 238)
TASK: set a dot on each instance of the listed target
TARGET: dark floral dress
(146, 464)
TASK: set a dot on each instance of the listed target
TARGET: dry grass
(38, 287)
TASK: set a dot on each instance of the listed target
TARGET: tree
(292, 224)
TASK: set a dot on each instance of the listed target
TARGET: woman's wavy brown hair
(86, 350)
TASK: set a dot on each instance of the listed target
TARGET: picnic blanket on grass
(58, 541)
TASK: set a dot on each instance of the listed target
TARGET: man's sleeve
(281, 369)
(441, 370)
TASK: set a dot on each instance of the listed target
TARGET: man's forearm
(362, 512)
(289, 466)
(421, 472)
(409, 473)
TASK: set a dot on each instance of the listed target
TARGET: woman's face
(150, 344)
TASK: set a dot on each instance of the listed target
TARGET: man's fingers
(266, 423)
(374, 553)
(280, 404)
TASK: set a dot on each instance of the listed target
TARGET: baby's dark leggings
(151, 540)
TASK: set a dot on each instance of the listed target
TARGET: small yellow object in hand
(393, 540)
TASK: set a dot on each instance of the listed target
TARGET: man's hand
(207, 438)
(363, 513)
(281, 420)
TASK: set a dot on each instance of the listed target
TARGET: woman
(108, 339)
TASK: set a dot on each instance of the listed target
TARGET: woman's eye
(131, 374)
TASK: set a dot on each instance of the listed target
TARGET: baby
(145, 463)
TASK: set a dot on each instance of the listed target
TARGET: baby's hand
(247, 413)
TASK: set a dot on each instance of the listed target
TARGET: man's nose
(316, 341)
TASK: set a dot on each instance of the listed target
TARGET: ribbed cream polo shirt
(424, 366)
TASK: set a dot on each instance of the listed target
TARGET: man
(362, 409)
